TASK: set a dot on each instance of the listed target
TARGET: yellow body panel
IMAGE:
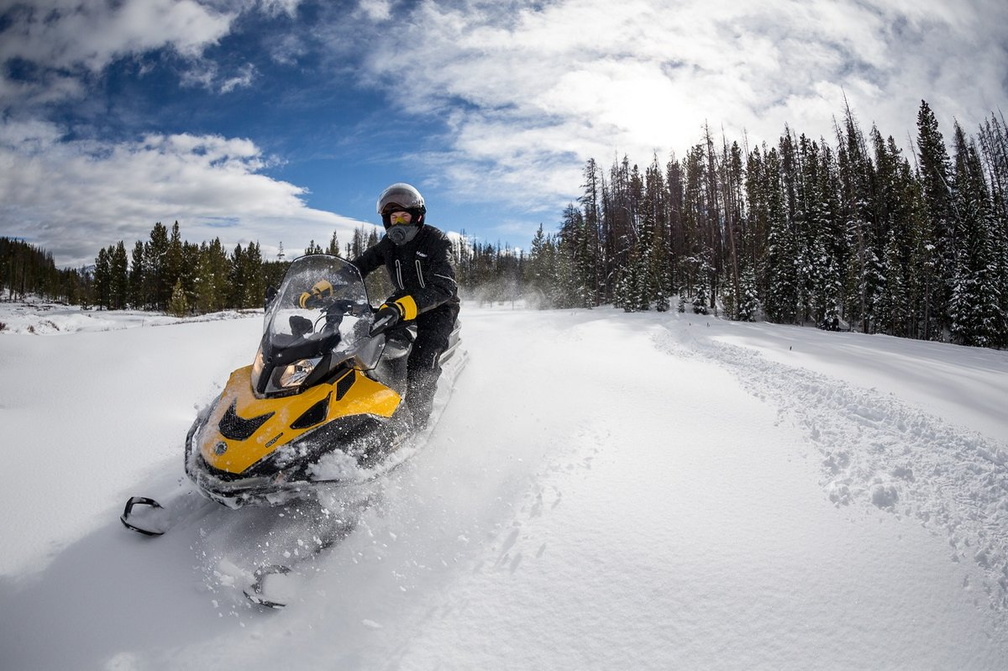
(364, 397)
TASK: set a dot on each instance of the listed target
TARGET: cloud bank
(513, 97)
(586, 77)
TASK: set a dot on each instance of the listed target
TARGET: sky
(280, 121)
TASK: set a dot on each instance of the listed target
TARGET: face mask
(402, 233)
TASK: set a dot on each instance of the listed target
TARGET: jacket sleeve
(370, 260)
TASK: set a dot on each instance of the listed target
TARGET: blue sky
(281, 120)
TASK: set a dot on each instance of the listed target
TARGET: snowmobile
(322, 404)
(308, 428)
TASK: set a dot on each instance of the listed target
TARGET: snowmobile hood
(243, 430)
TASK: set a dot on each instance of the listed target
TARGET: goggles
(400, 217)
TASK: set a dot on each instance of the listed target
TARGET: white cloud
(580, 76)
(276, 7)
(75, 33)
(526, 90)
(242, 79)
(75, 193)
(375, 10)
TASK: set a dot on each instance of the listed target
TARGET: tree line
(167, 273)
(26, 269)
(843, 233)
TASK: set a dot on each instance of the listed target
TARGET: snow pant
(423, 368)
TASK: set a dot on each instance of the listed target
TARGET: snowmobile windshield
(320, 309)
(336, 303)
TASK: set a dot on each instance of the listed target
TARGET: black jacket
(420, 269)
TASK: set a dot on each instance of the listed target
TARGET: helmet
(401, 196)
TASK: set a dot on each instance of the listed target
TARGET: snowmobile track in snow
(878, 451)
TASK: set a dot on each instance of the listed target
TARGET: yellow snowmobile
(322, 402)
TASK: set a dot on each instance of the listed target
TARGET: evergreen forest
(846, 232)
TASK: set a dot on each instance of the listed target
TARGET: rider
(417, 257)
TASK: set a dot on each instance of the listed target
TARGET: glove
(388, 315)
(317, 297)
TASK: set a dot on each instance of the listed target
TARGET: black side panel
(313, 415)
(238, 428)
(340, 434)
(344, 384)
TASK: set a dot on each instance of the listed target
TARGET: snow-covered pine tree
(590, 252)
(994, 151)
(857, 177)
(935, 256)
(733, 199)
(781, 252)
(975, 309)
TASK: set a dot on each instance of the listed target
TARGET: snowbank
(602, 491)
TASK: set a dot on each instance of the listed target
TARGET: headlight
(294, 374)
(281, 379)
(257, 368)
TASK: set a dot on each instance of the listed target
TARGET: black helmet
(401, 196)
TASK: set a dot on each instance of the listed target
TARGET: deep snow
(602, 491)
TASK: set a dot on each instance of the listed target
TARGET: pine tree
(976, 316)
(694, 215)
(575, 275)
(654, 242)
(254, 286)
(540, 271)
(118, 277)
(748, 308)
(155, 251)
(178, 305)
(936, 254)
(674, 207)
(894, 216)
(893, 308)
(590, 252)
(102, 279)
(994, 150)
(237, 278)
(754, 242)
(137, 278)
(735, 224)
(333, 249)
(782, 294)
(211, 287)
(172, 268)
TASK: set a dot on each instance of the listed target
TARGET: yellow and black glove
(318, 296)
(386, 317)
(393, 312)
(406, 305)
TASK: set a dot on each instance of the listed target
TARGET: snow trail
(602, 491)
(878, 450)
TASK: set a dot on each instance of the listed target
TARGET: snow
(603, 490)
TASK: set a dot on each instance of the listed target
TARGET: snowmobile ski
(274, 585)
(145, 516)
(150, 517)
(257, 592)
